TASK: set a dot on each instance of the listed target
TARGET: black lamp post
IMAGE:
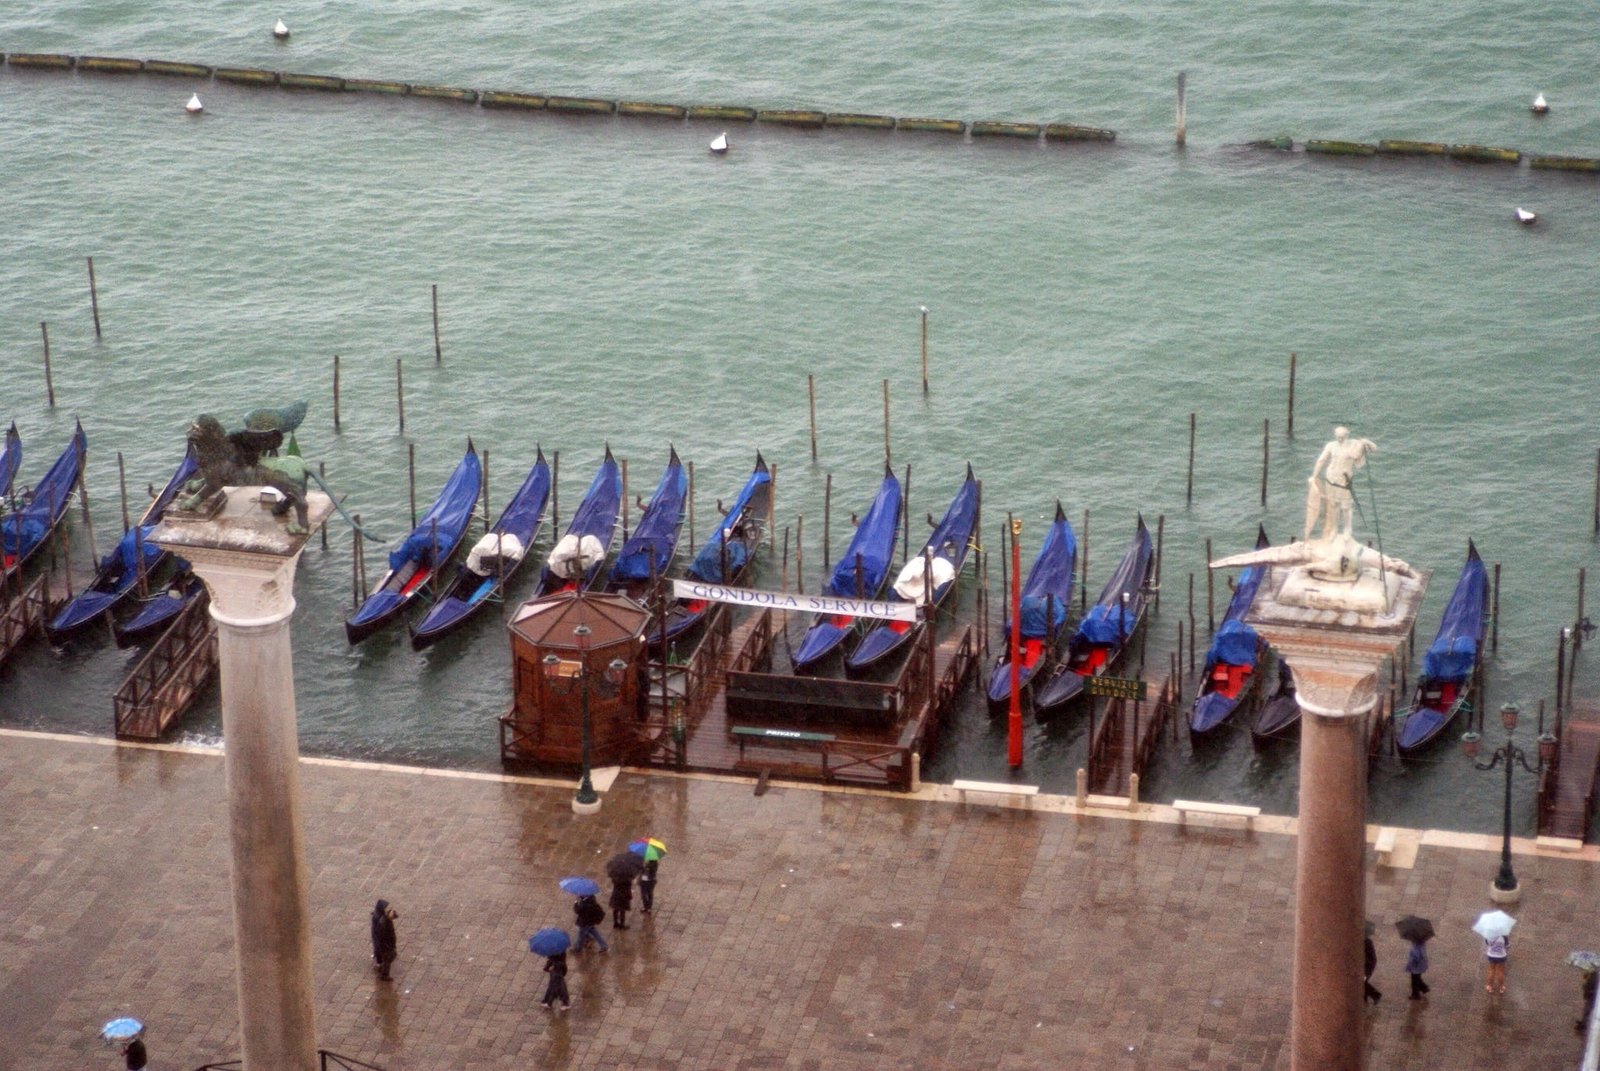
(1504, 889)
(563, 680)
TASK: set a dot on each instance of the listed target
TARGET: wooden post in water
(1597, 492)
(88, 525)
(355, 564)
(1161, 533)
(772, 510)
(486, 495)
(1211, 612)
(1181, 134)
(555, 493)
(411, 480)
(924, 349)
(1266, 429)
(1005, 565)
(400, 393)
(49, 383)
(811, 394)
(1188, 487)
(1292, 360)
(1193, 634)
(336, 392)
(800, 553)
(1577, 629)
(691, 512)
(94, 299)
(438, 354)
(886, 453)
(905, 516)
(624, 500)
(1177, 664)
(322, 472)
(122, 488)
(1561, 669)
(827, 518)
(1083, 562)
(785, 558)
(1494, 626)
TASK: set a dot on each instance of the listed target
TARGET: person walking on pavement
(384, 944)
(1591, 981)
(133, 1053)
(1371, 952)
(589, 914)
(556, 967)
(647, 885)
(1417, 966)
(621, 901)
(1496, 950)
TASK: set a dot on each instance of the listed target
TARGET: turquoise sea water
(607, 280)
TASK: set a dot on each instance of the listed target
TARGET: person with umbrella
(1495, 929)
(621, 901)
(385, 946)
(129, 1033)
(1417, 931)
(587, 911)
(649, 850)
(1370, 962)
(552, 943)
(1589, 964)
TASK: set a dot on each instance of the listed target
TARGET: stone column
(247, 560)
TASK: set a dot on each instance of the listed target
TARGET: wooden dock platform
(1124, 737)
(836, 731)
(170, 676)
(1566, 786)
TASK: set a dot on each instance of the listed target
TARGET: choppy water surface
(608, 280)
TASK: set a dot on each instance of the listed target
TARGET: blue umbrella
(579, 886)
(549, 941)
(121, 1030)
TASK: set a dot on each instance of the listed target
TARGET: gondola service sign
(881, 609)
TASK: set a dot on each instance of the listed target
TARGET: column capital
(245, 555)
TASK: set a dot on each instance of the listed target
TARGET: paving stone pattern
(798, 930)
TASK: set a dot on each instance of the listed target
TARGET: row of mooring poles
(1266, 441)
(811, 394)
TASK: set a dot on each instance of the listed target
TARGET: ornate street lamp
(1504, 889)
(563, 677)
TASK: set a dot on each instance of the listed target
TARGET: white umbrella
(1492, 924)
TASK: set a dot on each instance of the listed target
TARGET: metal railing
(326, 1061)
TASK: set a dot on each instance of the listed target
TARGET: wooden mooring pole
(811, 395)
(886, 454)
(1561, 669)
(400, 393)
(924, 349)
(411, 480)
(122, 489)
(827, 518)
(438, 353)
(1188, 486)
(88, 525)
(800, 553)
(1161, 534)
(1266, 451)
(1292, 360)
(625, 500)
(1083, 562)
(322, 472)
(1577, 628)
(1597, 492)
(94, 298)
(691, 509)
(1181, 135)
(486, 502)
(1494, 619)
(336, 392)
(1211, 612)
(49, 383)
(1192, 635)
(555, 493)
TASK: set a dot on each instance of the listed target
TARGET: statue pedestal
(1334, 651)
(247, 559)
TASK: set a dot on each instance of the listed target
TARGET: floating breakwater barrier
(802, 118)
(1462, 153)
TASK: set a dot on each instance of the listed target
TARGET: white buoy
(280, 31)
(1527, 218)
(194, 107)
(1540, 107)
(719, 144)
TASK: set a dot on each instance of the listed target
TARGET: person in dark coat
(384, 944)
(133, 1051)
(1591, 982)
(556, 967)
(1371, 992)
(647, 885)
(1417, 966)
(621, 901)
(589, 915)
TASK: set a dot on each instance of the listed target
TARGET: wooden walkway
(699, 733)
(1124, 737)
(169, 677)
(1566, 786)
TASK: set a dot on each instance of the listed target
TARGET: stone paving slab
(802, 929)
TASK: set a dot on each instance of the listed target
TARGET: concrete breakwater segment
(1467, 154)
(802, 118)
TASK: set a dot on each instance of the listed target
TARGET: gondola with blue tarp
(859, 574)
(1445, 687)
(1229, 677)
(1102, 636)
(1046, 596)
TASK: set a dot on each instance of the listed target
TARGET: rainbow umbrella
(648, 848)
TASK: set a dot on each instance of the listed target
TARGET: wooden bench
(998, 788)
(1384, 845)
(1559, 844)
(1229, 810)
(761, 734)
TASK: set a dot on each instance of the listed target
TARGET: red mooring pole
(1015, 736)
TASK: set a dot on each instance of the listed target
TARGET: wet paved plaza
(799, 929)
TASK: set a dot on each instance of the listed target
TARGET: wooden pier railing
(690, 687)
(1567, 783)
(23, 615)
(1124, 738)
(170, 675)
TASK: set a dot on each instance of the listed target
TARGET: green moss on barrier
(1074, 132)
(792, 117)
(1483, 154)
(250, 76)
(1342, 148)
(110, 64)
(1393, 147)
(1565, 163)
(856, 119)
(176, 70)
(324, 82)
(1281, 143)
(494, 99)
(374, 85)
(40, 59)
(991, 129)
(648, 110)
(590, 105)
(467, 96)
(722, 111)
(931, 126)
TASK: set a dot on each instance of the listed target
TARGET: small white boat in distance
(194, 107)
(1540, 107)
(1527, 218)
(719, 144)
(280, 31)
